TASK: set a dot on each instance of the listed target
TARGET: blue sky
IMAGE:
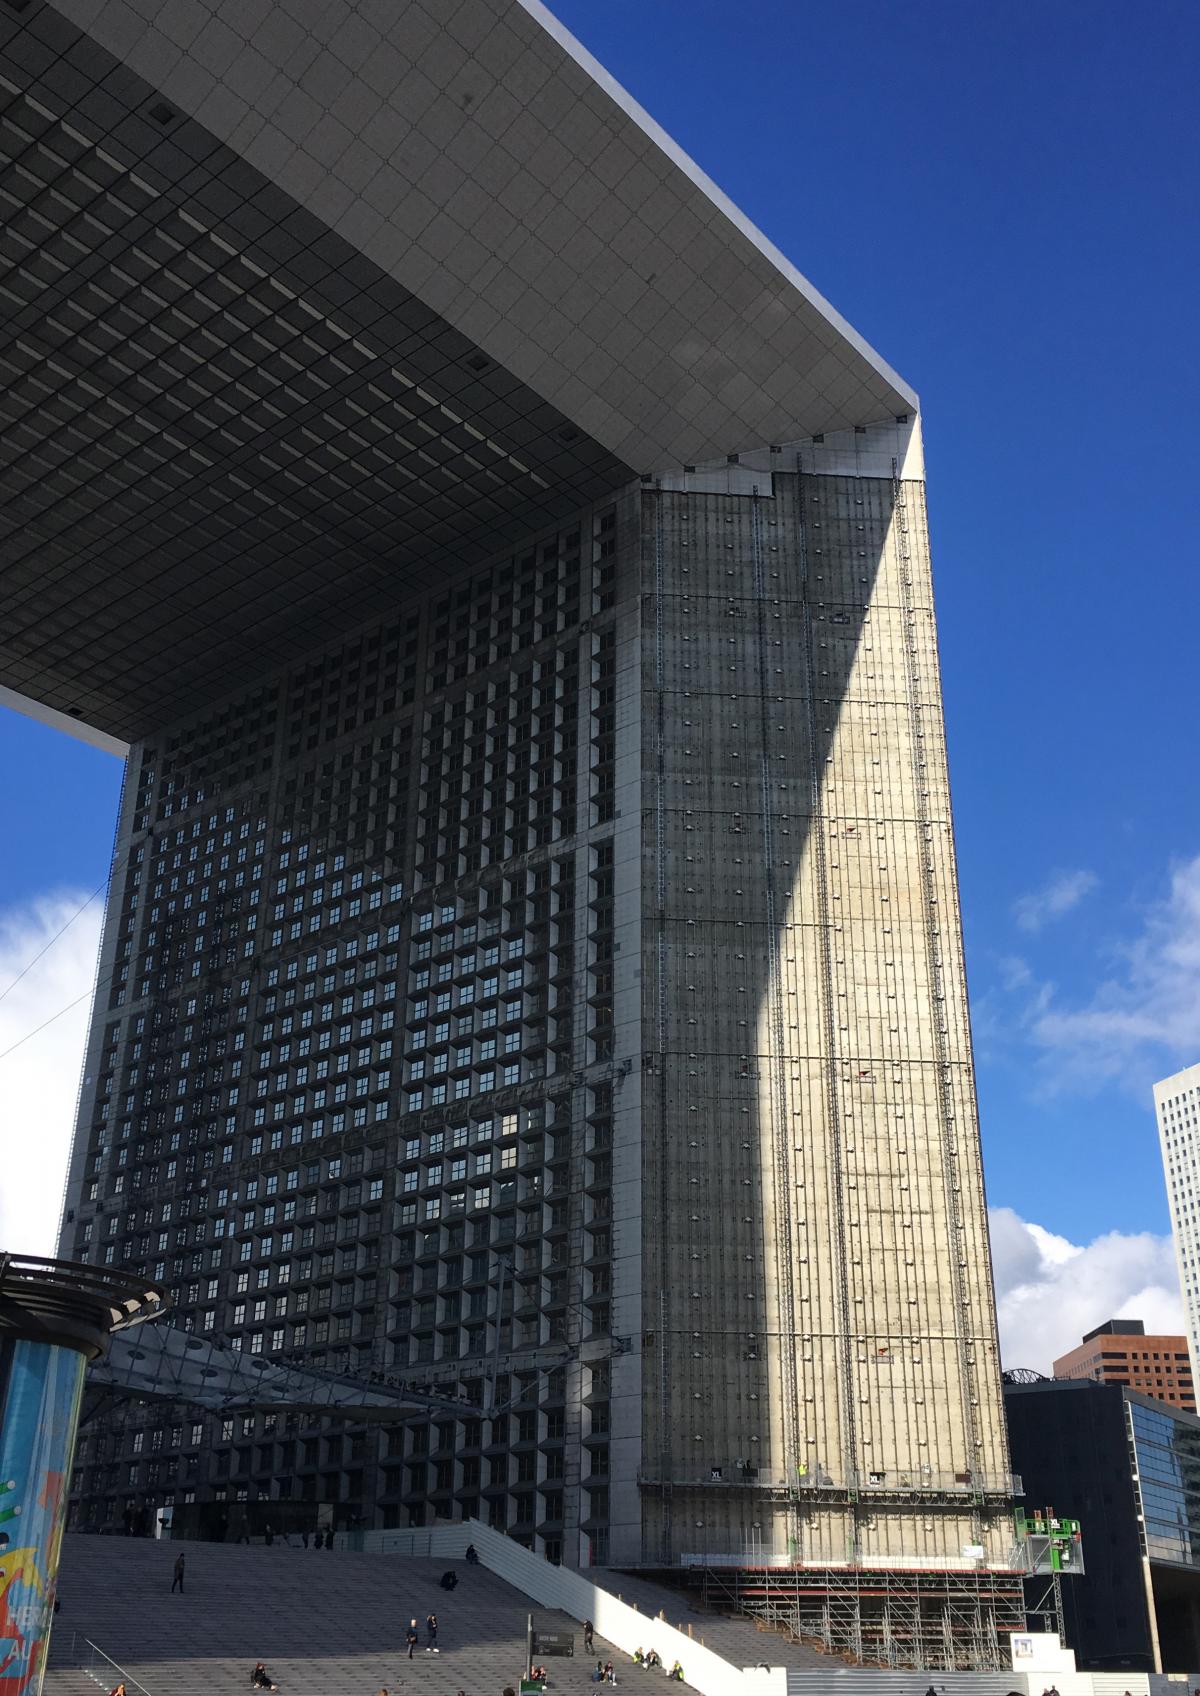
(1002, 199)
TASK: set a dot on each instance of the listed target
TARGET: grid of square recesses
(358, 1103)
(224, 435)
(478, 157)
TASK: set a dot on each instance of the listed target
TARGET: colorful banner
(40, 1389)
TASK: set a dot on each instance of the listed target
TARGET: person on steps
(431, 1646)
(412, 1637)
(654, 1659)
(448, 1579)
(588, 1634)
(472, 1557)
(260, 1678)
(177, 1581)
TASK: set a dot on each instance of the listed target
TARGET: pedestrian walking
(412, 1637)
(431, 1646)
(177, 1581)
(329, 1539)
(268, 1534)
(589, 1632)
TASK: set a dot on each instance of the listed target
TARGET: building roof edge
(701, 180)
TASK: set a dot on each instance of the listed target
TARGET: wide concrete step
(325, 1623)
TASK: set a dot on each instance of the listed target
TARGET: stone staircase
(325, 1623)
(740, 1638)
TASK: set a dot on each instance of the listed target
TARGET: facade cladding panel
(561, 982)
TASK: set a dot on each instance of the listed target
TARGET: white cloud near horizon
(1049, 1291)
(1142, 1020)
(1056, 897)
(39, 1080)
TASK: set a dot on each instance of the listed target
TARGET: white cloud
(1143, 1020)
(39, 1081)
(1064, 891)
(1049, 1291)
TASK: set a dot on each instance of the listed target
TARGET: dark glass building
(1128, 1467)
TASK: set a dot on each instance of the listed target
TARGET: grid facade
(1177, 1111)
(554, 995)
(1158, 1366)
(350, 1084)
(820, 1374)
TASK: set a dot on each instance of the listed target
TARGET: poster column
(40, 1388)
(55, 1317)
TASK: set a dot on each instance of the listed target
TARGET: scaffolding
(885, 1617)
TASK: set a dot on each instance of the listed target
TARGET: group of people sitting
(652, 1661)
(648, 1660)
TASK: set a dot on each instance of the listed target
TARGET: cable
(29, 1035)
(99, 890)
(102, 980)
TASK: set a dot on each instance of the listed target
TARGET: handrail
(73, 1658)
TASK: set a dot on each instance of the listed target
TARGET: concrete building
(1176, 1101)
(533, 961)
(1120, 1352)
(1128, 1467)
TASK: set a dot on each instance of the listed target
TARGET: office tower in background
(1176, 1104)
(1120, 1352)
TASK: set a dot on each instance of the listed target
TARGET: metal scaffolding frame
(884, 1617)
